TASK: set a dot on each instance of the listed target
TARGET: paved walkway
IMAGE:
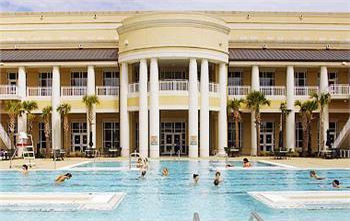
(296, 162)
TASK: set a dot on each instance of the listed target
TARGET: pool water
(176, 198)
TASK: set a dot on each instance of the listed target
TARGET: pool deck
(301, 163)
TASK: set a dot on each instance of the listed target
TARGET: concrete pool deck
(299, 163)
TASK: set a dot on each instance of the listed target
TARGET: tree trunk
(12, 130)
(47, 137)
(237, 133)
(257, 127)
(321, 143)
(66, 134)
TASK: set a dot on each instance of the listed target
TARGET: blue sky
(131, 5)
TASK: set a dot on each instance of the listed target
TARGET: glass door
(267, 136)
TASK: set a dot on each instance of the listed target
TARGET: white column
(55, 102)
(154, 109)
(123, 110)
(290, 121)
(204, 111)
(193, 109)
(22, 88)
(325, 117)
(143, 109)
(254, 87)
(91, 91)
(223, 108)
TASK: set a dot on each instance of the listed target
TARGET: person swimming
(228, 165)
(165, 171)
(25, 170)
(315, 176)
(195, 178)
(218, 179)
(336, 184)
(246, 163)
(62, 178)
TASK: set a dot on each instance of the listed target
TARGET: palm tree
(254, 101)
(90, 101)
(233, 108)
(64, 110)
(46, 115)
(28, 107)
(14, 109)
(322, 100)
(284, 114)
(306, 109)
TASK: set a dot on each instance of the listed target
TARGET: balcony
(273, 91)
(73, 91)
(39, 91)
(214, 88)
(238, 90)
(339, 90)
(305, 91)
(8, 92)
(107, 90)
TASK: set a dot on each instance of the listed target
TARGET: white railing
(273, 90)
(4, 137)
(8, 90)
(107, 90)
(39, 91)
(238, 90)
(179, 85)
(213, 87)
(73, 91)
(343, 134)
(305, 90)
(339, 89)
(133, 88)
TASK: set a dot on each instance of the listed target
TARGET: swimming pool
(175, 197)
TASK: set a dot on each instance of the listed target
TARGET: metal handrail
(254, 216)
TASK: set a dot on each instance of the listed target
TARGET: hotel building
(164, 78)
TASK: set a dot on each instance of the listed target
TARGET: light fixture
(126, 42)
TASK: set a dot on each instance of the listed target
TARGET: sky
(197, 5)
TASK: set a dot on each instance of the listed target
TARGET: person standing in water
(25, 170)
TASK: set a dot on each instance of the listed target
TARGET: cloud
(132, 5)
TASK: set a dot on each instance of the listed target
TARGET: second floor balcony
(73, 91)
(39, 91)
(8, 92)
(305, 91)
(339, 90)
(107, 90)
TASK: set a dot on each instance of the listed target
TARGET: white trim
(288, 63)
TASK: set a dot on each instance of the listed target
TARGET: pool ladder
(254, 216)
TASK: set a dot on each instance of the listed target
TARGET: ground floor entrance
(267, 136)
(79, 136)
(173, 138)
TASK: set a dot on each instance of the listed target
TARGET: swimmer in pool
(25, 170)
(313, 175)
(228, 165)
(62, 178)
(246, 163)
(165, 171)
(218, 179)
(195, 178)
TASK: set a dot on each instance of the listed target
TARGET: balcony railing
(180, 85)
(39, 91)
(273, 90)
(8, 90)
(238, 90)
(305, 90)
(73, 91)
(107, 90)
(339, 89)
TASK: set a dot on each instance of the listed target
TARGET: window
(79, 79)
(110, 78)
(232, 134)
(172, 74)
(110, 135)
(235, 78)
(299, 135)
(12, 78)
(332, 78)
(267, 78)
(332, 130)
(45, 79)
(42, 138)
(300, 78)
